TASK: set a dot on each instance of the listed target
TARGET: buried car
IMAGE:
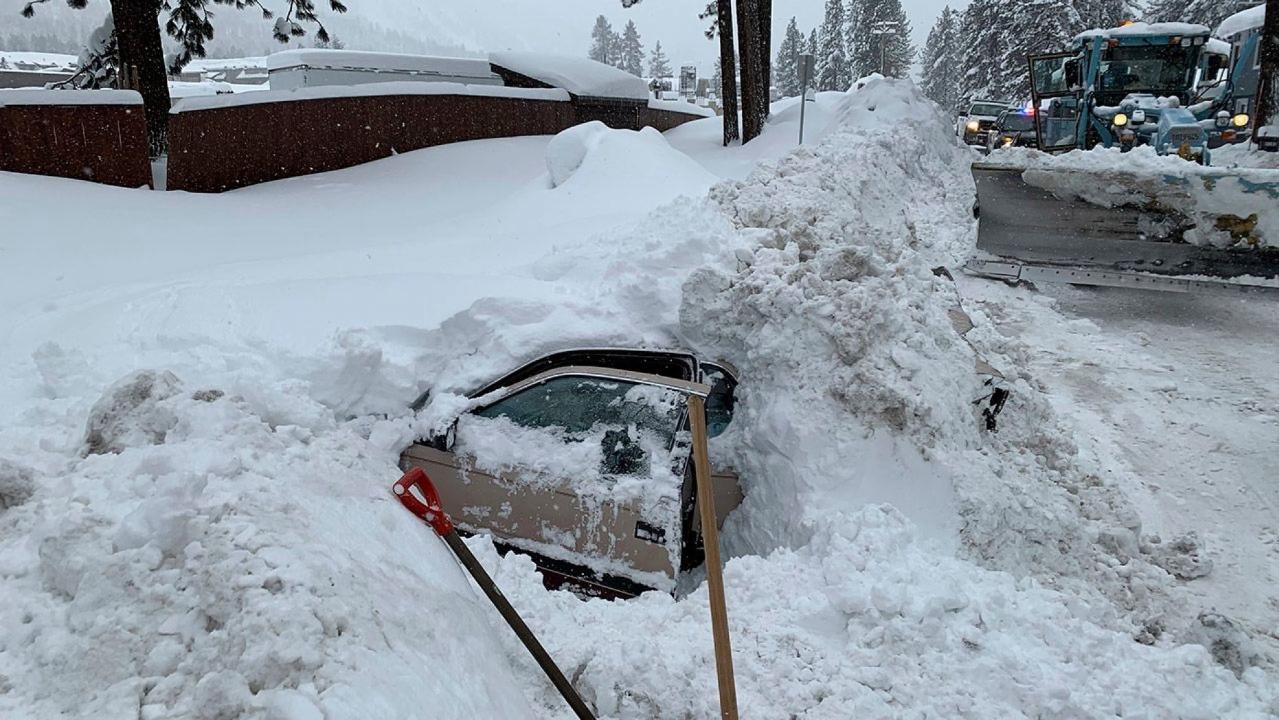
(582, 460)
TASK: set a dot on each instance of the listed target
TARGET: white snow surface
(578, 75)
(363, 60)
(399, 87)
(41, 96)
(1247, 19)
(681, 106)
(44, 60)
(240, 555)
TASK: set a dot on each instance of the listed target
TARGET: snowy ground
(240, 557)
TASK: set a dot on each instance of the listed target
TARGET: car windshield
(1166, 69)
(1016, 121)
(986, 109)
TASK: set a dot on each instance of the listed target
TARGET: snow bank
(402, 87)
(1214, 198)
(68, 97)
(578, 75)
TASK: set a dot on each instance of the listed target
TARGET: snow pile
(1243, 20)
(1223, 206)
(587, 154)
(216, 564)
(377, 62)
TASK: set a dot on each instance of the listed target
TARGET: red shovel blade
(431, 510)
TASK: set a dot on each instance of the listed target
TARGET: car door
(583, 467)
(1056, 100)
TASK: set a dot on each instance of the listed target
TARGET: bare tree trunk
(1267, 110)
(748, 51)
(142, 64)
(766, 52)
(727, 69)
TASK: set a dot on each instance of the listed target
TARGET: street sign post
(805, 72)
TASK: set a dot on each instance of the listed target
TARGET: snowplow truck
(1138, 84)
(1118, 219)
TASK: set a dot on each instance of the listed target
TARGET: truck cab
(975, 121)
(1138, 84)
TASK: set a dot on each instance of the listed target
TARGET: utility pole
(883, 31)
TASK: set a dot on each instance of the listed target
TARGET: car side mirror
(445, 440)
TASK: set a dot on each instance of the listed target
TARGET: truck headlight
(1240, 120)
(973, 126)
(1120, 120)
(1008, 142)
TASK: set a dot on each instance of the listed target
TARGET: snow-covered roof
(402, 87)
(385, 62)
(40, 96)
(578, 75)
(215, 64)
(42, 60)
(1241, 21)
(1141, 28)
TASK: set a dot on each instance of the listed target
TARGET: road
(1177, 397)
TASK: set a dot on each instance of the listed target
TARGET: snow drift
(235, 553)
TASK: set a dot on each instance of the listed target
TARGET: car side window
(720, 401)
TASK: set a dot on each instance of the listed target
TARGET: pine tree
(631, 50)
(786, 70)
(941, 66)
(811, 46)
(1101, 13)
(1039, 26)
(659, 65)
(983, 28)
(1165, 11)
(884, 39)
(1208, 13)
(603, 40)
(832, 56)
(855, 37)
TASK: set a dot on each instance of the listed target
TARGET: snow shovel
(432, 512)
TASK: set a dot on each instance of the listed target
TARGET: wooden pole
(714, 573)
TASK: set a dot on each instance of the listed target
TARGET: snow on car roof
(387, 62)
(580, 76)
(1141, 28)
(1241, 21)
(40, 96)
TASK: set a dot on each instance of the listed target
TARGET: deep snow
(254, 564)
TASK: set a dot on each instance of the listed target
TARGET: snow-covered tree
(832, 56)
(631, 50)
(786, 69)
(1101, 13)
(811, 46)
(883, 43)
(1208, 13)
(983, 30)
(604, 42)
(941, 66)
(658, 64)
(1039, 26)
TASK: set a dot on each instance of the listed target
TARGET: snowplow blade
(1207, 229)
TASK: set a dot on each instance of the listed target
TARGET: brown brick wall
(228, 147)
(102, 143)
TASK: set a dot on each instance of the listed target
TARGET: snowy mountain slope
(998, 587)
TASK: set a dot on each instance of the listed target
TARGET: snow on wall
(1243, 20)
(680, 106)
(578, 75)
(26, 96)
(369, 90)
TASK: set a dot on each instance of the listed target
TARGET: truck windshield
(986, 109)
(1157, 69)
(1016, 121)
